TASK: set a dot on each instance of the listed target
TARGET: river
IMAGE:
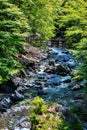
(53, 82)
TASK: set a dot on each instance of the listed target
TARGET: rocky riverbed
(48, 75)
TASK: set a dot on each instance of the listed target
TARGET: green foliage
(39, 44)
(44, 117)
(81, 112)
(41, 15)
(13, 27)
(72, 15)
(7, 66)
(38, 103)
(18, 19)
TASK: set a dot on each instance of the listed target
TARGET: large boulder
(62, 70)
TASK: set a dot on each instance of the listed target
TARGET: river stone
(62, 70)
(25, 124)
(22, 89)
(17, 96)
(8, 87)
(26, 61)
(60, 109)
(66, 51)
(52, 62)
(64, 111)
(6, 102)
(17, 81)
(50, 70)
(76, 87)
(22, 124)
(3, 107)
(53, 55)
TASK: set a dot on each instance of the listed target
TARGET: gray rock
(3, 107)
(52, 62)
(22, 89)
(17, 80)
(8, 87)
(26, 61)
(17, 96)
(66, 52)
(76, 87)
(7, 102)
(62, 70)
(50, 70)
(64, 111)
(22, 124)
(4, 104)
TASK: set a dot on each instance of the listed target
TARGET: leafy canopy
(72, 15)
(13, 28)
(18, 19)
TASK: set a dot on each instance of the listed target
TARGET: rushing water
(51, 86)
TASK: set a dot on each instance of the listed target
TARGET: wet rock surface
(8, 87)
(17, 96)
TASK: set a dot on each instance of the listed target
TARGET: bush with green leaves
(44, 117)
